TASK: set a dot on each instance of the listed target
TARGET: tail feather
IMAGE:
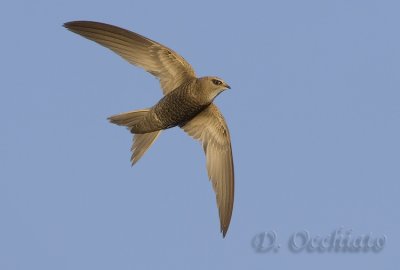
(141, 142)
(128, 119)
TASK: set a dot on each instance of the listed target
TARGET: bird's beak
(227, 86)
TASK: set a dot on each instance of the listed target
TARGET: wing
(170, 68)
(210, 128)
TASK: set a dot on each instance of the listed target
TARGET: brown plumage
(187, 103)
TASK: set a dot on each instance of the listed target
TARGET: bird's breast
(177, 108)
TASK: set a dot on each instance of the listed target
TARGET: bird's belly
(171, 112)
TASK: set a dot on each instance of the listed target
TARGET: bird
(187, 103)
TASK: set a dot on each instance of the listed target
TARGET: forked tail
(128, 119)
(141, 142)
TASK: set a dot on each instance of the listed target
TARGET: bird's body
(187, 103)
(174, 109)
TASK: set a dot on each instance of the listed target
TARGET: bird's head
(213, 86)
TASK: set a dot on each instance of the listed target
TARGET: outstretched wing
(210, 128)
(170, 68)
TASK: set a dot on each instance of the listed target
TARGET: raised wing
(170, 68)
(210, 128)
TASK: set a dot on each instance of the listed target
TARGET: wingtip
(224, 231)
(133, 161)
(71, 24)
(67, 25)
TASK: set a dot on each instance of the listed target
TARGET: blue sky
(313, 112)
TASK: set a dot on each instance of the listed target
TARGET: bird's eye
(217, 82)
